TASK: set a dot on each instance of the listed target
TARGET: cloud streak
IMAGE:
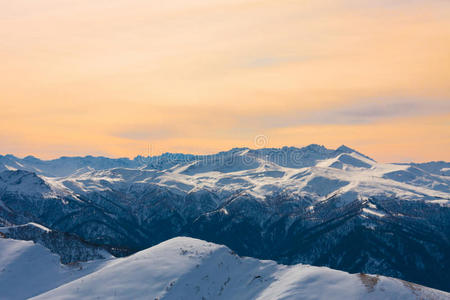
(145, 134)
(372, 111)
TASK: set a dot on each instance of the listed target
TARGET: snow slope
(186, 268)
(69, 248)
(28, 269)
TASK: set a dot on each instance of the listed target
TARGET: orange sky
(111, 77)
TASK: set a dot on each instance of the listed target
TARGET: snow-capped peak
(299, 171)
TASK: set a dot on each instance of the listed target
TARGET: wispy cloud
(370, 111)
(146, 133)
(272, 61)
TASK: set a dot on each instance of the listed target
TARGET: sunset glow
(125, 78)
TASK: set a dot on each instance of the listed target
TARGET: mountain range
(324, 207)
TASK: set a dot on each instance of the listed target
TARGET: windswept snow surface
(28, 269)
(186, 268)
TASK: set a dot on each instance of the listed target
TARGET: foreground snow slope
(186, 268)
(28, 269)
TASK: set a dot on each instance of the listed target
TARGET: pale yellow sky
(111, 77)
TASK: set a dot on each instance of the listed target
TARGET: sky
(122, 78)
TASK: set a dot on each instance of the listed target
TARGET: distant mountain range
(325, 207)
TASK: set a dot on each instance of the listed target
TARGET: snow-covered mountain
(28, 269)
(69, 247)
(312, 171)
(186, 268)
(336, 208)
